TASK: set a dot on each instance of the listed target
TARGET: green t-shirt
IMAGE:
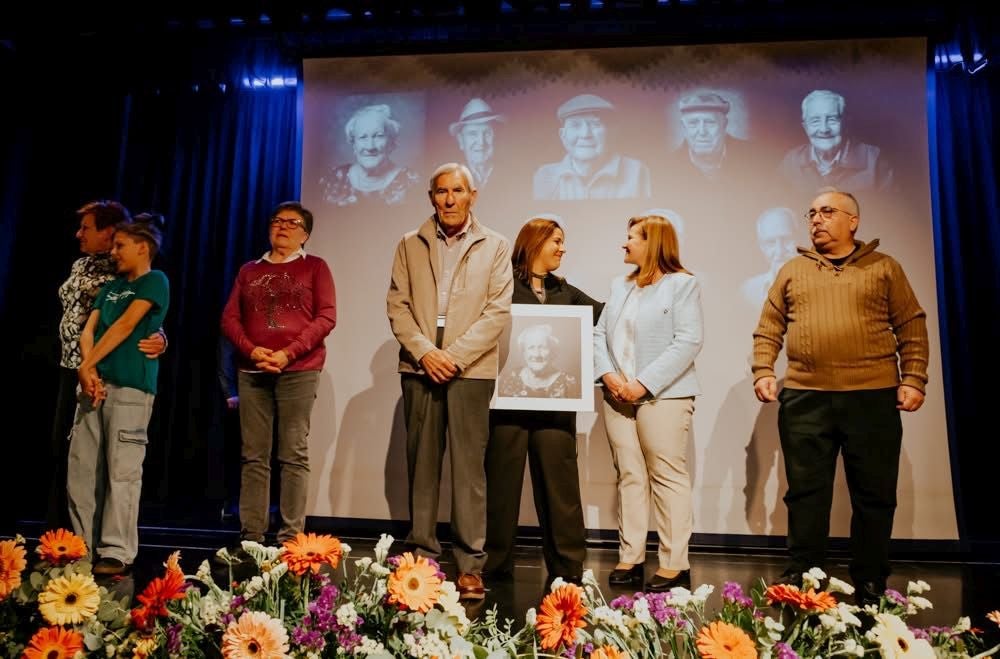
(125, 366)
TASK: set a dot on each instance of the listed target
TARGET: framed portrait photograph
(547, 359)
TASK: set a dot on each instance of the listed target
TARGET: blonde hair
(662, 249)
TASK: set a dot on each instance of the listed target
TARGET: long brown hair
(528, 244)
(662, 248)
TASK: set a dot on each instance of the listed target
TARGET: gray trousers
(104, 473)
(461, 409)
(285, 401)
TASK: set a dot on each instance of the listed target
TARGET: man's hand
(766, 389)
(153, 345)
(909, 398)
(439, 366)
(233, 403)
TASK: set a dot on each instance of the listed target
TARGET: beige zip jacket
(478, 308)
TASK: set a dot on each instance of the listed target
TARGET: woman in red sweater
(281, 309)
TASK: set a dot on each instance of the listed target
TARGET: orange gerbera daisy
(173, 563)
(813, 601)
(53, 643)
(308, 551)
(560, 614)
(12, 564)
(720, 640)
(158, 592)
(783, 594)
(414, 583)
(60, 547)
(255, 635)
(607, 652)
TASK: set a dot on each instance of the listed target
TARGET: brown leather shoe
(470, 586)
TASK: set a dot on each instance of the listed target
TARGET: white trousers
(649, 445)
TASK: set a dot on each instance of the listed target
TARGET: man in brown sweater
(857, 355)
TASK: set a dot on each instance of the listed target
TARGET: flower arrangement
(308, 599)
(779, 622)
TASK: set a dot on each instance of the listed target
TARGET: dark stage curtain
(962, 105)
(213, 150)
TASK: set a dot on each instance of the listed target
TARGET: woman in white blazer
(645, 344)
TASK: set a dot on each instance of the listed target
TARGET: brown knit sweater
(845, 324)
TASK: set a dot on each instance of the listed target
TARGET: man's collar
(458, 234)
(609, 167)
(842, 154)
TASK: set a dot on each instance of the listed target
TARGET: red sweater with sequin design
(289, 306)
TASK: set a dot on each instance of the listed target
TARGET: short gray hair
(383, 111)
(847, 195)
(818, 94)
(543, 329)
(450, 168)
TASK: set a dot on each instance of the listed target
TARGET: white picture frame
(547, 359)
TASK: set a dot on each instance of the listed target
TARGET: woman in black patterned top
(88, 273)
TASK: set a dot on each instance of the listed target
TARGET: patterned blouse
(77, 295)
(337, 187)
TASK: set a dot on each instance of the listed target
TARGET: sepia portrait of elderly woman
(540, 375)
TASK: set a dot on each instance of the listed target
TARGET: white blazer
(669, 334)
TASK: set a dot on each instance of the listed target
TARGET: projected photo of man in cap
(590, 169)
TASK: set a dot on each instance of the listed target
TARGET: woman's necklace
(539, 291)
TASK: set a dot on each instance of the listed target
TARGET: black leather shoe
(868, 592)
(789, 577)
(660, 584)
(630, 577)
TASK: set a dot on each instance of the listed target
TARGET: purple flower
(588, 649)
(732, 591)
(662, 612)
(920, 633)
(784, 651)
(570, 651)
(622, 602)
(308, 638)
(437, 566)
(896, 597)
(174, 639)
(348, 639)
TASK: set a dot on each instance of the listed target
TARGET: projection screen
(713, 137)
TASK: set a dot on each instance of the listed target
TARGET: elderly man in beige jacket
(448, 302)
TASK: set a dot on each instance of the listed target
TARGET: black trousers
(549, 438)
(57, 507)
(864, 427)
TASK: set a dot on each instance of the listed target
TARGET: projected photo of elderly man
(372, 133)
(540, 375)
(475, 132)
(832, 157)
(591, 168)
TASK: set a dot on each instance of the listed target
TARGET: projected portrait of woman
(372, 134)
(540, 376)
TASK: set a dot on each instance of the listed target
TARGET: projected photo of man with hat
(475, 131)
(590, 170)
